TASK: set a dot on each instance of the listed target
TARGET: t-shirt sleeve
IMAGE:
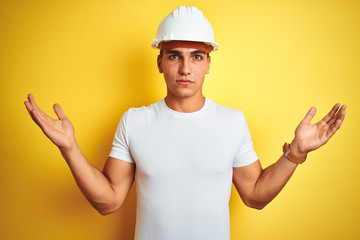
(246, 153)
(120, 147)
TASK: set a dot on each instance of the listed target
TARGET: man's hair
(162, 52)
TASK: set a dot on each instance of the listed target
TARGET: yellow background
(276, 60)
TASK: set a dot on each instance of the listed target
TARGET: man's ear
(159, 64)
(208, 68)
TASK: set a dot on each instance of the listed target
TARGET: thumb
(59, 112)
(309, 115)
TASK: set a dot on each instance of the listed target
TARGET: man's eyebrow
(179, 53)
(173, 52)
(197, 52)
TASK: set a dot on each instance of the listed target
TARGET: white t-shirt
(184, 166)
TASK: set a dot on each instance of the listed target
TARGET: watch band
(291, 156)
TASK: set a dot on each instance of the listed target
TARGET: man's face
(184, 71)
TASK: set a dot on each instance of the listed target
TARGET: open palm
(309, 137)
(60, 131)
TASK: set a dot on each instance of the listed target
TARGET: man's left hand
(309, 137)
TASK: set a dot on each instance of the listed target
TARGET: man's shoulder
(223, 109)
(144, 110)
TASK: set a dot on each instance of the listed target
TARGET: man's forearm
(93, 184)
(271, 180)
(258, 187)
(97, 186)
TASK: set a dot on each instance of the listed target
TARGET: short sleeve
(120, 147)
(246, 153)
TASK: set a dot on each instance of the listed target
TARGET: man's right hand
(105, 191)
(59, 131)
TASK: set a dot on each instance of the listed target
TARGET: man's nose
(185, 67)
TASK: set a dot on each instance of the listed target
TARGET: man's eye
(173, 56)
(198, 57)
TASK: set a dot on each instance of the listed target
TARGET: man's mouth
(184, 81)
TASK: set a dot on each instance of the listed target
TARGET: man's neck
(185, 105)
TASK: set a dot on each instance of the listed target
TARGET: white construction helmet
(185, 23)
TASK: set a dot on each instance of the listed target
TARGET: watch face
(287, 152)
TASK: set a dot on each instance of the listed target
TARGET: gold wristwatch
(291, 156)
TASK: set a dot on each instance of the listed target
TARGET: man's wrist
(291, 156)
(294, 147)
(69, 148)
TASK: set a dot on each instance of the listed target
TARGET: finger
(31, 112)
(331, 114)
(38, 116)
(32, 106)
(32, 101)
(333, 128)
(59, 112)
(309, 115)
(28, 106)
(338, 115)
(35, 115)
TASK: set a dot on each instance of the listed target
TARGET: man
(185, 151)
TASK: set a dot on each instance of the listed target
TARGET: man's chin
(183, 94)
